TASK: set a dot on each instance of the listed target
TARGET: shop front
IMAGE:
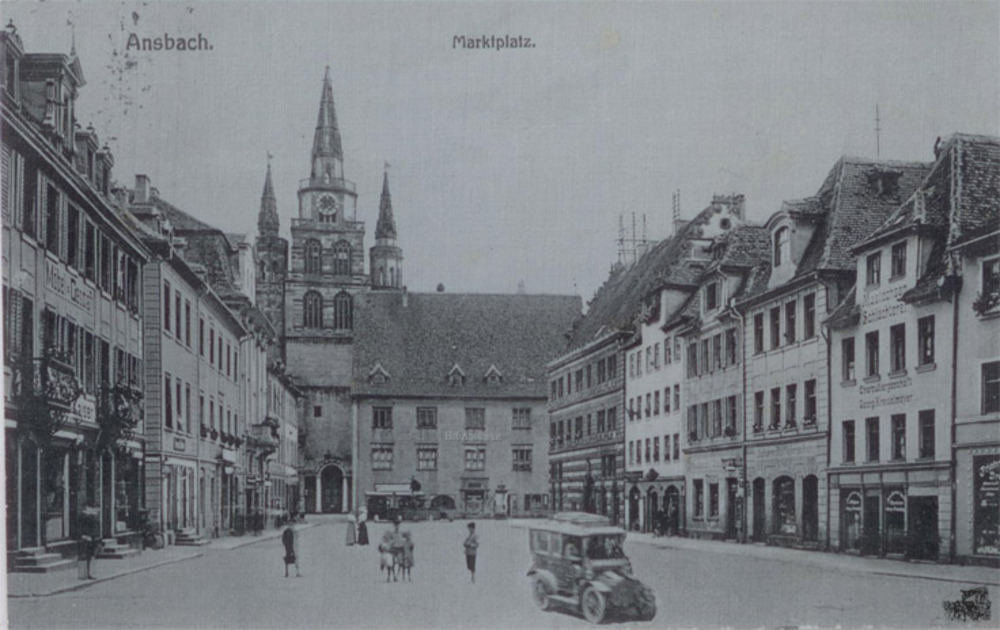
(474, 492)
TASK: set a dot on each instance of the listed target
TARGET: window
(699, 498)
(847, 358)
(758, 410)
(579, 428)
(313, 256)
(631, 366)
(612, 368)
(809, 417)
(693, 423)
(898, 426)
(991, 387)
(871, 427)
(427, 417)
(649, 408)
(73, 236)
(925, 340)
(220, 350)
(731, 411)
(475, 418)
(790, 322)
(775, 327)
(758, 333)
(211, 346)
(342, 258)
(602, 373)
(848, 427)
(775, 407)
(631, 453)
(666, 399)
(178, 315)
(990, 283)
(579, 375)
(612, 418)
(809, 316)
(475, 458)
(317, 411)
(229, 360)
(521, 457)
(589, 382)
(90, 251)
(382, 457)
(717, 351)
(677, 445)
(897, 342)
(382, 418)
(871, 354)
(312, 310)
(656, 403)
(717, 418)
(926, 418)
(52, 231)
(211, 414)
(638, 362)
(692, 360)
(713, 500)
(601, 424)
(667, 358)
(521, 418)
(712, 296)
(166, 306)
(343, 311)
(179, 402)
(731, 355)
(427, 458)
(201, 336)
(677, 397)
(168, 407)
(187, 323)
(898, 263)
(791, 394)
(703, 360)
(873, 269)
(781, 246)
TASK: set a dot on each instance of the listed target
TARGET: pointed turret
(327, 152)
(267, 219)
(386, 226)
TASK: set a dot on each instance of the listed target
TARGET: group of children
(396, 553)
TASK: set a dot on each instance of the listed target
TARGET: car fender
(599, 586)
(547, 576)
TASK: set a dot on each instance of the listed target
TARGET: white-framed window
(873, 269)
(991, 387)
(521, 418)
(898, 260)
(427, 458)
(475, 458)
(382, 457)
(382, 418)
(427, 417)
(521, 456)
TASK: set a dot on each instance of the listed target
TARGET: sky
(515, 166)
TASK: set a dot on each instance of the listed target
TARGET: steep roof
(420, 343)
(744, 246)
(616, 303)
(326, 140)
(386, 226)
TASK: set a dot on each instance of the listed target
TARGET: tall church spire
(267, 219)
(327, 152)
(386, 226)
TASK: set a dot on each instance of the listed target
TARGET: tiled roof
(419, 344)
(616, 303)
(847, 312)
(745, 246)
(852, 207)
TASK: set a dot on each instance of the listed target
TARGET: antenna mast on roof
(878, 133)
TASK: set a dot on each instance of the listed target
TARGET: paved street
(341, 587)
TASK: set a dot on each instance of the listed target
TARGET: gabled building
(73, 346)
(710, 331)
(449, 395)
(807, 270)
(914, 441)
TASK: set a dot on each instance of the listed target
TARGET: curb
(254, 540)
(85, 584)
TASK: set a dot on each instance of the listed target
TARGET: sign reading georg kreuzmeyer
(505, 315)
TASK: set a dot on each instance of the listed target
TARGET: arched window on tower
(263, 272)
(312, 310)
(343, 306)
(314, 256)
(392, 277)
(342, 258)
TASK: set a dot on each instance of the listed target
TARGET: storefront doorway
(871, 524)
(652, 511)
(895, 523)
(634, 498)
(759, 516)
(733, 516)
(924, 528)
(332, 484)
(810, 509)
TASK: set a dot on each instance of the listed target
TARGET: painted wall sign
(986, 511)
(58, 280)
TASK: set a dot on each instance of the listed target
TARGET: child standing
(471, 546)
(385, 556)
(407, 556)
(288, 540)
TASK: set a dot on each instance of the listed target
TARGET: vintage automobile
(578, 562)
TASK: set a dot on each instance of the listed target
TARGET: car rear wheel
(540, 593)
(593, 605)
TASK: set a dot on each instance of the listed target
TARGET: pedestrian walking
(351, 532)
(288, 539)
(363, 530)
(90, 540)
(471, 546)
(407, 556)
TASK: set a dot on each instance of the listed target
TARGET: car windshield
(605, 547)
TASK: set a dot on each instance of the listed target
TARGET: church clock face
(328, 207)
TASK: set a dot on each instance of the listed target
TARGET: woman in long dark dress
(363, 531)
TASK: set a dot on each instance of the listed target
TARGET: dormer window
(712, 296)
(884, 181)
(782, 251)
(873, 269)
(456, 377)
(493, 376)
(378, 375)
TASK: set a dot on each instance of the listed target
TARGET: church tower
(272, 253)
(326, 274)
(386, 266)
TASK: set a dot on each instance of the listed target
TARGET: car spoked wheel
(540, 593)
(593, 605)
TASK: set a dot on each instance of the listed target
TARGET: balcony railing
(336, 182)
(556, 444)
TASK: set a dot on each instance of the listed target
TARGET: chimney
(141, 189)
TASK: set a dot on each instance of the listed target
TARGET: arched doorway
(783, 501)
(810, 508)
(759, 515)
(652, 510)
(332, 489)
(634, 499)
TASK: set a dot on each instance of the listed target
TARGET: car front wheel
(540, 593)
(593, 605)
